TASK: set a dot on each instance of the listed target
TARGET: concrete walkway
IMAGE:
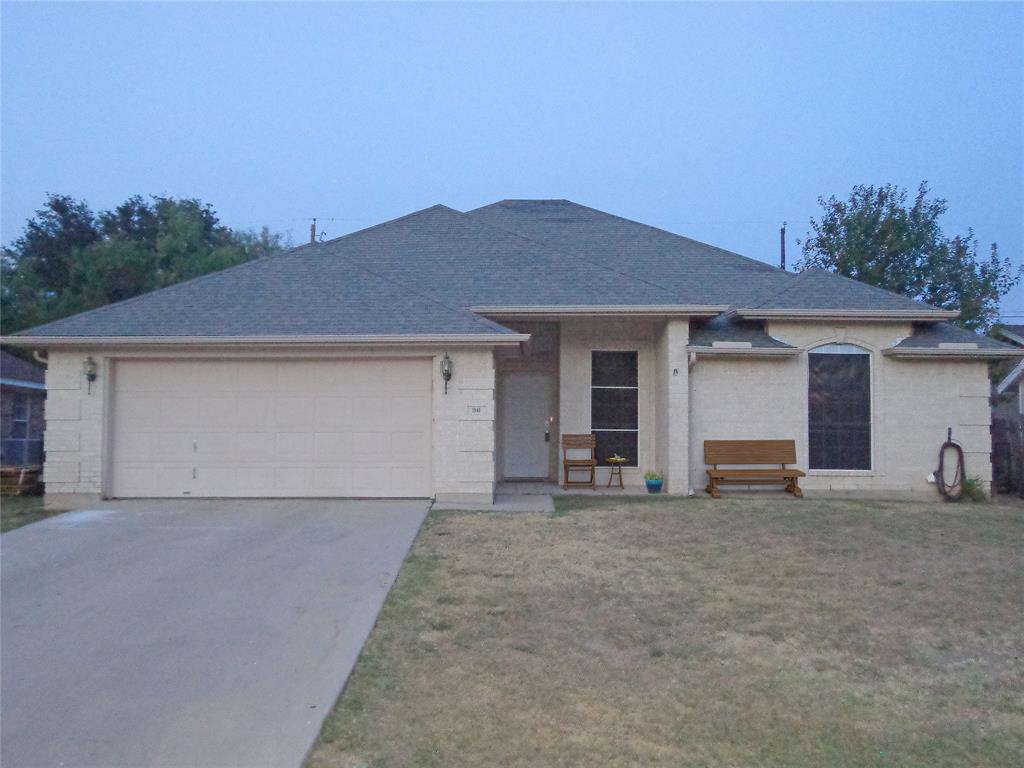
(189, 633)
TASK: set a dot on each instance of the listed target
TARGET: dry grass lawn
(744, 632)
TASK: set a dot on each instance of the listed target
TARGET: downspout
(40, 358)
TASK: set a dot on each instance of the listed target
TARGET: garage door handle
(195, 446)
(193, 473)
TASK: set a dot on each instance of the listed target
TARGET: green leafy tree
(69, 260)
(877, 236)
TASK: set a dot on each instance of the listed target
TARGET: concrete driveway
(189, 633)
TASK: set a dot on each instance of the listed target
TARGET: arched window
(839, 407)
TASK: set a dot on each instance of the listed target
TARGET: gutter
(603, 310)
(848, 314)
(936, 353)
(483, 339)
(744, 351)
(1012, 378)
(22, 384)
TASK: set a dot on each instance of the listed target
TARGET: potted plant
(654, 481)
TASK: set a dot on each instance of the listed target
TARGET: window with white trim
(19, 415)
(839, 407)
(615, 405)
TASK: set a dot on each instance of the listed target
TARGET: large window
(839, 407)
(614, 405)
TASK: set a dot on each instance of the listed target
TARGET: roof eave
(880, 315)
(601, 310)
(1016, 338)
(744, 351)
(481, 339)
(1012, 378)
(934, 353)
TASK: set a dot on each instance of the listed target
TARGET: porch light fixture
(89, 370)
(446, 370)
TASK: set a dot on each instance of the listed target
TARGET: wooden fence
(1008, 455)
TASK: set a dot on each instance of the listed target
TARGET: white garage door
(259, 428)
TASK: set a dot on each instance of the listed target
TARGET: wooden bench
(747, 452)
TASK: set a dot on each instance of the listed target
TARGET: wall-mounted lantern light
(89, 370)
(446, 370)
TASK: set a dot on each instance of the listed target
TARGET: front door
(527, 407)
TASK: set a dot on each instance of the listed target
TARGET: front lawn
(743, 632)
(16, 511)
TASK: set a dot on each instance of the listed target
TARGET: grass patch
(16, 511)
(660, 631)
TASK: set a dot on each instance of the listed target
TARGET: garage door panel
(255, 446)
(407, 409)
(293, 481)
(408, 446)
(254, 481)
(149, 378)
(216, 447)
(161, 411)
(293, 411)
(295, 446)
(370, 447)
(157, 446)
(152, 479)
(334, 480)
(255, 412)
(283, 428)
(334, 447)
(221, 410)
(333, 411)
(371, 411)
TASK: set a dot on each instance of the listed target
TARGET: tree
(69, 260)
(876, 237)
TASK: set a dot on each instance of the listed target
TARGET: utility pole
(782, 247)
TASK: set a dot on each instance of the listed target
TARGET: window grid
(624, 440)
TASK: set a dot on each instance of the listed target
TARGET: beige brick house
(322, 371)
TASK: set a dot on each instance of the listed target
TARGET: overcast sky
(715, 121)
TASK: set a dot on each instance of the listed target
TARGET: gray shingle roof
(932, 335)
(420, 274)
(725, 328)
(818, 289)
(14, 368)
(694, 272)
(308, 291)
(1013, 333)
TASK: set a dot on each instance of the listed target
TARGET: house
(1008, 419)
(1010, 389)
(442, 352)
(22, 411)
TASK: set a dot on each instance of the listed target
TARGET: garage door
(259, 428)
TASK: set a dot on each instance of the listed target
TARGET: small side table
(616, 463)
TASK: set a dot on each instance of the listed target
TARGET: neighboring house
(1010, 390)
(318, 372)
(22, 411)
(1008, 420)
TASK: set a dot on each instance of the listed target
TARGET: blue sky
(717, 121)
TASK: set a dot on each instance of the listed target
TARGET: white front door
(527, 404)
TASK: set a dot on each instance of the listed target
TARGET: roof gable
(14, 368)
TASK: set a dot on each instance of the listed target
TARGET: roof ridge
(757, 262)
(259, 261)
(404, 216)
(559, 252)
(181, 284)
(455, 310)
(797, 280)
